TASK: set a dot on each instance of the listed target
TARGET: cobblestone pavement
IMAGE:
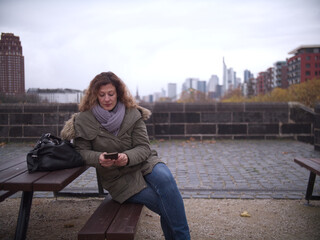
(247, 169)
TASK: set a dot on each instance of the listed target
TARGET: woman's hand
(120, 162)
(105, 162)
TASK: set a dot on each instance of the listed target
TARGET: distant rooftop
(296, 50)
(56, 90)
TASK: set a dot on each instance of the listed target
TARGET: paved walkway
(223, 169)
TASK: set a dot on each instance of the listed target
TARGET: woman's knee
(161, 176)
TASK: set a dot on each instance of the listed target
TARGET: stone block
(230, 107)
(37, 131)
(11, 108)
(221, 117)
(185, 117)
(260, 106)
(306, 139)
(173, 129)
(317, 121)
(276, 117)
(4, 131)
(15, 131)
(51, 118)
(56, 118)
(200, 107)
(249, 137)
(263, 129)
(161, 117)
(247, 117)
(168, 107)
(232, 129)
(40, 108)
(4, 119)
(291, 128)
(317, 107)
(300, 115)
(26, 118)
(201, 129)
(68, 107)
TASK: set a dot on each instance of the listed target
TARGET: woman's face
(107, 97)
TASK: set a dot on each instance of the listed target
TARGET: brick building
(12, 80)
(304, 65)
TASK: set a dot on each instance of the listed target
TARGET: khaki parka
(91, 139)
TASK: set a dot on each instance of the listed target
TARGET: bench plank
(12, 172)
(24, 181)
(5, 194)
(100, 220)
(312, 164)
(11, 163)
(57, 180)
(124, 225)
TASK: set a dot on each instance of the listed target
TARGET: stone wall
(317, 128)
(27, 122)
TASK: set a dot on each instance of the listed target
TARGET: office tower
(224, 78)
(247, 75)
(201, 86)
(11, 65)
(212, 83)
(304, 65)
(190, 83)
(172, 91)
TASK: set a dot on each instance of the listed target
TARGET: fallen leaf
(245, 214)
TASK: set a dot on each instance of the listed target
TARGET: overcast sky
(149, 44)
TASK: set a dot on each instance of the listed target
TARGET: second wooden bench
(313, 165)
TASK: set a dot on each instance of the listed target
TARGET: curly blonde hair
(90, 98)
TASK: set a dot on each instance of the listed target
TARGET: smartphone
(113, 155)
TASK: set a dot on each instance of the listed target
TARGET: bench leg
(312, 179)
(24, 215)
(100, 188)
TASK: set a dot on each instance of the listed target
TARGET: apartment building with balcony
(304, 65)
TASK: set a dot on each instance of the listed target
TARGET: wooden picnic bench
(111, 220)
(313, 165)
(15, 177)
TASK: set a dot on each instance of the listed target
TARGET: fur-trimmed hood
(68, 132)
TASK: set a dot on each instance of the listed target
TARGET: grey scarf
(110, 120)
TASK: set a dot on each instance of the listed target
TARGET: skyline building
(172, 91)
(212, 83)
(12, 80)
(304, 65)
(224, 78)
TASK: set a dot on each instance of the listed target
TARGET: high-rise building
(190, 83)
(172, 91)
(247, 75)
(212, 83)
(202, 86)
(224, 78)
(11, 65)
(280, 78)
(304, 65)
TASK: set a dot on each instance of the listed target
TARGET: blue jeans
(162, 196)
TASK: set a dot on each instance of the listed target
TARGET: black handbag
(52, 153)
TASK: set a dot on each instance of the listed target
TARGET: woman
(110, 121)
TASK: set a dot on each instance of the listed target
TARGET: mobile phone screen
(111, 155)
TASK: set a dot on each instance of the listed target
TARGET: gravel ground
(208, 219)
